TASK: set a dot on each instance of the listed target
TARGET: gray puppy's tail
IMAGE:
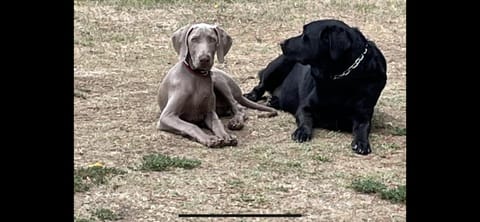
(253, 105)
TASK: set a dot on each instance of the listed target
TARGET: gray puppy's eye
(195, 39)
(211, 39)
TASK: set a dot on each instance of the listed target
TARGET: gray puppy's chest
(200, 99)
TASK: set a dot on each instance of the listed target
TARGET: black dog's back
(297, 84)
(286, 81)
(275, 72)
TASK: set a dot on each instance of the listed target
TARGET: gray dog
(193, 91)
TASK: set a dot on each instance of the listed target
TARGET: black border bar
(239, 215)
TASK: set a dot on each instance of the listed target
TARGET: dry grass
(122, 50)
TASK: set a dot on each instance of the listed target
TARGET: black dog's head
(324, 43)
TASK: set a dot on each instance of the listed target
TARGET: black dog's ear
(339, 40)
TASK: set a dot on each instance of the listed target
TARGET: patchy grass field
(122, 50)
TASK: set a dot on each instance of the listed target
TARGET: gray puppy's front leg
(213, 122)
(171, 122)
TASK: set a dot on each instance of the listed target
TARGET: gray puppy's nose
(205, 59)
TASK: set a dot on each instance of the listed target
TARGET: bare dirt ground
(121, 52)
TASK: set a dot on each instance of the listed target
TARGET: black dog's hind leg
(274, 102)
(271, 77)
(256, 93)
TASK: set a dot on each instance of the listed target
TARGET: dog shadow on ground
(386, 124)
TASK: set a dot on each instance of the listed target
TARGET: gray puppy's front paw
(235, 124)
(213, 142)
(229, 140)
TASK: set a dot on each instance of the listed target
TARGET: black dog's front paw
(302, 134)
(362, 148)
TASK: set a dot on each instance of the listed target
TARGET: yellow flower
(215, 6)
(97, 164)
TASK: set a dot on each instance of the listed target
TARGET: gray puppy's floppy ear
(224, 43)
(179, 40)
(339, 40)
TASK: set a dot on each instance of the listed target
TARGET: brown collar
(201, 73)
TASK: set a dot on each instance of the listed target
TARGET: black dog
(329, 77)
